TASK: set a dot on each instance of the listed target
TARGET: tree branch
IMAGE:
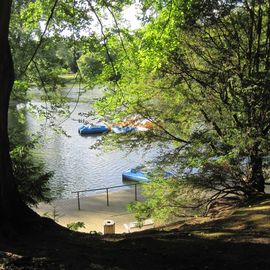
(41, 38)
(216, 127)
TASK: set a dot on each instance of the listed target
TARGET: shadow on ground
(239, 240)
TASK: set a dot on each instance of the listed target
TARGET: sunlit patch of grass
(265, 225)
(212, 235)
(257, 217)
(240, 213)
(257, 208)
(236, 226)
(68, 76)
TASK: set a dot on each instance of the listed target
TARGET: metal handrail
(107, 192)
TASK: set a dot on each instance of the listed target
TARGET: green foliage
(32, 181)
(168, 200)
(200, 66)
(54, 214)
(40, 58)
(89, 65)
(75, 226)
(20, 87)
(200, 72)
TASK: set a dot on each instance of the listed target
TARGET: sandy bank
(94, 211)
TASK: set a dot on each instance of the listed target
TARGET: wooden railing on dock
(107, 192)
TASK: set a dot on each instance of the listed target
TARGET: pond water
(75, 165)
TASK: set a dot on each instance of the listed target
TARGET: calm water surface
(75, 165)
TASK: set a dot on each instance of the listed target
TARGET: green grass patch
(212, 235)
(68, 78)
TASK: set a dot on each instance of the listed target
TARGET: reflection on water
(76, 166)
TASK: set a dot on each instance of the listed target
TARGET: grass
(68, 76)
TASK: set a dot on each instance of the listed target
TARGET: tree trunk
(257, 178)
(12, 210)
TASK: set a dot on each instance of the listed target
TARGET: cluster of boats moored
(122, 127)
(132, 124)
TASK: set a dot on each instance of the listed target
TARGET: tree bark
(12, 210)
(257, 178)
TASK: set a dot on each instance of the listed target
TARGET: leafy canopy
(200, 72)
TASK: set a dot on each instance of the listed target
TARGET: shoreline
(94, 211)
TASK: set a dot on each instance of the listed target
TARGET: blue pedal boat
(139, 176)
(120, 129)
(134, 175)
(93, 129)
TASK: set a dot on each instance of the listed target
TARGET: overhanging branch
(41, 38)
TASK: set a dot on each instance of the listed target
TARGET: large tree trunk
(12, 210)
(256, 163)
(257, 177)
